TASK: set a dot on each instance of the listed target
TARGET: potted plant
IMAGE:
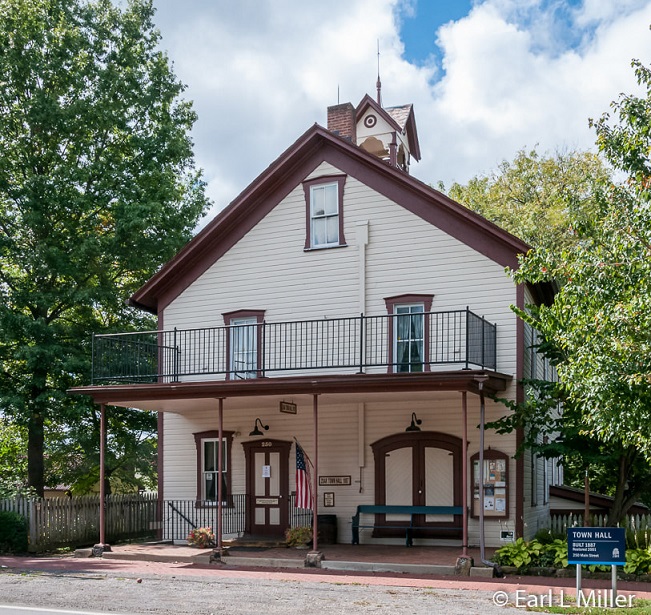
(201, 537)
(298, 537)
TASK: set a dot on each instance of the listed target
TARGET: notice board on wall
(496, 484)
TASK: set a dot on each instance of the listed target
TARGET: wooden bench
(408, 526)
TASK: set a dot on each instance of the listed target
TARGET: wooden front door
(419, 469)
(267, 486)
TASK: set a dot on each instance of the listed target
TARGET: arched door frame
(418, 440)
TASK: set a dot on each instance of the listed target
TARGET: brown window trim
(213, 434)
(228, 318)
(410, 299)
(340, 180)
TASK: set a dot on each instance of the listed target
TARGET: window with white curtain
(409, 342)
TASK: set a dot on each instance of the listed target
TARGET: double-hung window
(408, 331)
(244, 347)
(244, 343)
(210, 470)
(409, 344)
(207, 445)
(324, 216)
(324, 212)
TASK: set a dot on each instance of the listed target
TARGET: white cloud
(261, 73)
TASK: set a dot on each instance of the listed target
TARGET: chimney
(341, 121)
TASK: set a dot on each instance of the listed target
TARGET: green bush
(638, 561)
(13, 533)
(520, 554)
(524, 555)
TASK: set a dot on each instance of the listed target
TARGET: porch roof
(171, 396)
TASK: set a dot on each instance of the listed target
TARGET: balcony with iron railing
(413, 342)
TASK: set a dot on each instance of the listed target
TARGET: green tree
(13, 460)
(598, 326)
(534, 197)
(97, 189)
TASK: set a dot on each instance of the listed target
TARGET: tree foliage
(97, 189)
(535, 196)
(13, 459)
(598, 327)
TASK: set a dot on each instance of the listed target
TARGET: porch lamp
(256, 431)
(415, 422)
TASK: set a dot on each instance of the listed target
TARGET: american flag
(303, 488)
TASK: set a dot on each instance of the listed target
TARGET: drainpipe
(482, 537)
(220, 469)
(464, 473)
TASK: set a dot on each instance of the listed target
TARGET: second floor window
(244, 344)
(409, 345)
(409, 336)
(244, 347)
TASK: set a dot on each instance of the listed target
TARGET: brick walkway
(440, 556)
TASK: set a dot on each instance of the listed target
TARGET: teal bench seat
(408, 526)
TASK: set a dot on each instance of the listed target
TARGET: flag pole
(307, 457)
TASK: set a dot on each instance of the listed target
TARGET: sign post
(596, 546)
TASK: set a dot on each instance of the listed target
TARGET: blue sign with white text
(596, 545)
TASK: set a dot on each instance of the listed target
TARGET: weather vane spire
(379, 83)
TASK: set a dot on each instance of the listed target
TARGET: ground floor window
(207, 445)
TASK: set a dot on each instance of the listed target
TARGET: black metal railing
(179, 517)
(399, 342)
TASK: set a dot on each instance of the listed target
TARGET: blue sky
(420, 22)
(486, 77)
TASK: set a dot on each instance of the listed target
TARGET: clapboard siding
(339, 442)
(268, 269)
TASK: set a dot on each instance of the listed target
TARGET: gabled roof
(315, 146)
(399, 118)
(404, 117)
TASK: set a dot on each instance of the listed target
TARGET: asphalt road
(109, 592)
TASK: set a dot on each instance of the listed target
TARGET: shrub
(525, 555)
(520, 554)
(201, 537)
(638, 561)
(13, 532)
(296, 536)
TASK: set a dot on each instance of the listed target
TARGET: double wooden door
(419, 469)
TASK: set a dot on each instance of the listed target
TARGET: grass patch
(639, 607)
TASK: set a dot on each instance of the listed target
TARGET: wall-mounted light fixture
(415, 422)
(256, 431)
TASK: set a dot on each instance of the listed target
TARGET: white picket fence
(74, 522)
(560, 523)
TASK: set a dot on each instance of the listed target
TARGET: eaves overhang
(276, 182)
(463, 380)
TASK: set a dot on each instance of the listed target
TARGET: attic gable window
(324, 207)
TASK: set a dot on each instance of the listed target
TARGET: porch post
(315, 478)
(102, 474)
(220, 453)
(99, 548)
(464, 472)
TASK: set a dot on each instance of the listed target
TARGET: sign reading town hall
(596, 545)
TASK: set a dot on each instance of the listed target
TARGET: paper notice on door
(266, 471)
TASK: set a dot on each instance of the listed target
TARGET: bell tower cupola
(386, 132)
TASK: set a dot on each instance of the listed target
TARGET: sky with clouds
(486, 77)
